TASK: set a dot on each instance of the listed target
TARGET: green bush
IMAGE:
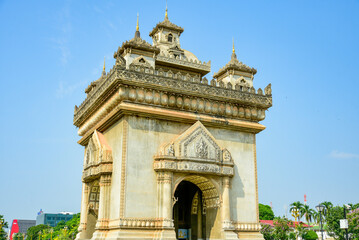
(311, 235)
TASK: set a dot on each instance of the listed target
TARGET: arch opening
(188, 212)
(195, 212)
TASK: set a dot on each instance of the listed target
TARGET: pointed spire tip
(137, 27)
(166, 15)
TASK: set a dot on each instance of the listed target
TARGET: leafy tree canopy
(4, 224)
(310, 235)
(265, 212)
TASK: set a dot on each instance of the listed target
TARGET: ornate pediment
(98, 157)
(195, 150)
(197, 143)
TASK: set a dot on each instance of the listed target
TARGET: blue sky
(308, 50)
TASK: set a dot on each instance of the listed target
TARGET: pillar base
(250, 236)
(134, 234)
(227, 234)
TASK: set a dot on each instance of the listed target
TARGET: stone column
(164, 181)
(84, 210)
(226, 215)
(167, 198)
(228, 229)
(104, 204)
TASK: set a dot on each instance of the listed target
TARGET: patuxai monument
(168, 153)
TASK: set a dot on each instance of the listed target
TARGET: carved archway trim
(210, 192)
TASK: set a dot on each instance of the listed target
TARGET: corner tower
(168, 155)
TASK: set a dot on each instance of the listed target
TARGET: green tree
(33, 233)
(3, 224)
(301, 231)
(267, 232)
(310, 235)
(333, 226)
(18, 236)
(307, 212)
(297, 206)
(265, 212)
(327, 207)
(281, 229)
(353, 222)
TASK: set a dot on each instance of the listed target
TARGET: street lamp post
(346, 207)
(320, 209)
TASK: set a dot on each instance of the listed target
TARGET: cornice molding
(157, 83)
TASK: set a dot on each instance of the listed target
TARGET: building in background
(20, 226)
(52, 219)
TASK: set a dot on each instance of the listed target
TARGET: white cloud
(343, 155)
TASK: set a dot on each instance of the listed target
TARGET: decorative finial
(137, 33)
(166, 15)
(137, 27)
(104, 63)
(104, 69)
(233, 50)
(234, 56)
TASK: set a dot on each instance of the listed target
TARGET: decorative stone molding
(98, 158)
(192, 167)
(105, 180)
(123, 168)
(208, 99)
(142, 223)
(164, 177)
(188, 63)
(247, 227)
(227, 225)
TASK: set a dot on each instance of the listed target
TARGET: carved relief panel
(194, 151)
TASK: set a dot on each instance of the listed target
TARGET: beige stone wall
(243, 187)
(144, 136)
(114, 137)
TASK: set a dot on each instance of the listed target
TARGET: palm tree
(316, 217)
(307, 212)
(296, 206)
(327, 207)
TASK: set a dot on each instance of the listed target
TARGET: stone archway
(195, 157)
(195, 211)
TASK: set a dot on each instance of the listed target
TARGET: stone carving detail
(248, 227)
(195, 151)
(201, 149)
(98, 158)
(141, 61)
(227, 156)
(120, 62)
(171, 150)
(268, 89)
(152, 78)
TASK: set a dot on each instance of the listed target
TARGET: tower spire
(234, 56)
(104, 66)
(233, 50)
(137, 27)
(137, 33)
(166, 15)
